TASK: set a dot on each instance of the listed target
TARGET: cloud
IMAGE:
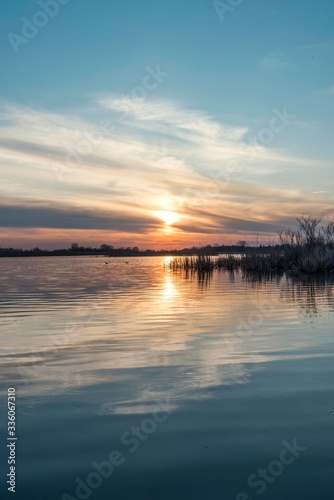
(275, 60)
(66, 217)
(170, 113)
(297, 56)
(114, 169)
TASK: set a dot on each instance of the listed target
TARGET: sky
(163, 123)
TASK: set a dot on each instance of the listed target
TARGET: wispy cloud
(157, 156)
(170, 113)
(297, 56)
(275, 60)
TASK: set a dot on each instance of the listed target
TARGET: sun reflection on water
(169, 290)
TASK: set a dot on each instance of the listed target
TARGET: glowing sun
(168, 217)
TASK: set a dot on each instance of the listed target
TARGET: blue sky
(196, 154)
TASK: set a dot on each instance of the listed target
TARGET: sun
(168, 217)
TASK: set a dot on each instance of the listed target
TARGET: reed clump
(204, 263)
(308, 250)
(254, 262)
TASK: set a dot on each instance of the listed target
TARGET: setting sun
(168, 217)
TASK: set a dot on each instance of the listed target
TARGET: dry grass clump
(309, 250)
(251, 262)
(192, 263)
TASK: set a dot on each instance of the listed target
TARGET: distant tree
(74, 247)
(241, 243)
(106, 248)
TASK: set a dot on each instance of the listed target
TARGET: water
(189, 384)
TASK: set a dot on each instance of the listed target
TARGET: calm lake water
(133, 382)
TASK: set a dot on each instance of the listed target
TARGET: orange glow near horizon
(165, 237)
